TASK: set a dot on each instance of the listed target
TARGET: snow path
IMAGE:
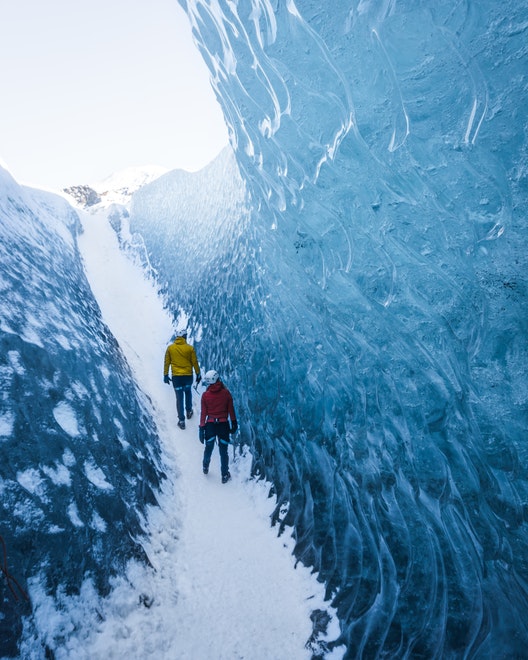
(225, 585)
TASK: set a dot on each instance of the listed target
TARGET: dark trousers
(182, 387)
(220, 432)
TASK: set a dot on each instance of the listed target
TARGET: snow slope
(225, 585)
(118, 187)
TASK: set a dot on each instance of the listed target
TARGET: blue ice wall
(79, 455)
(368, 307)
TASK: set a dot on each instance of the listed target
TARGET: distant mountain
(118, 188)
(83, 195)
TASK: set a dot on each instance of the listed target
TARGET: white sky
(90, 87)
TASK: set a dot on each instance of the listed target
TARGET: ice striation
(79, 454)
(358, 273)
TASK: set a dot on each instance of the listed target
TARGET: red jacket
(217, 404)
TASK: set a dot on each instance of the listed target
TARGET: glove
(234, 427)
(198, 378)
(201, 434)
(166, 379)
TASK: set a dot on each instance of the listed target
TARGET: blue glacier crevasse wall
(365, 297)
(79, 454)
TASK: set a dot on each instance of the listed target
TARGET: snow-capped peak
(117, 188)
(129, 180)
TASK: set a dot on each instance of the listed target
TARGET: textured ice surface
(67, 403)
(363, 290)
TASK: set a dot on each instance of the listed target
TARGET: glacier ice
(73, 497)
(359, 277)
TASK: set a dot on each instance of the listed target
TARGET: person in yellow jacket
(181, 358)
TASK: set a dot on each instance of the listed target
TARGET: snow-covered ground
(225, 585)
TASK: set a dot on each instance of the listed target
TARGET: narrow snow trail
(225, 585)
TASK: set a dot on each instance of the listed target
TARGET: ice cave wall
(79, 454)
(368, 306)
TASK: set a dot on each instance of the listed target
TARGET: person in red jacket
(217, 410)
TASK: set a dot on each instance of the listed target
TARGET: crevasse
(363, 288)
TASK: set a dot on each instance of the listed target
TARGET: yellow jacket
(181, 358)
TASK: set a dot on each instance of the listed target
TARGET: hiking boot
(181, 424)
(205, 470)
(225, 478)
(189, 414)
